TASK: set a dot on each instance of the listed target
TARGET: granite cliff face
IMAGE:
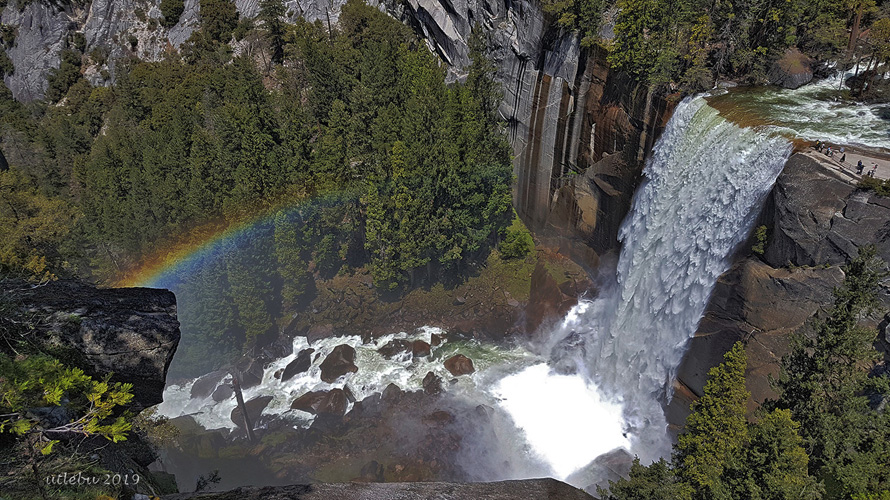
(579, 132)
(817, 221)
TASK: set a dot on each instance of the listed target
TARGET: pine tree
(717, 430)
(272, 12)
(825, 384)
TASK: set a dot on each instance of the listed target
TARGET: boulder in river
(459, 365)
(206, 384)
(333, 402)
(394, 348)
(338, 363)
(793, 70)
(432, 384)
(254, 407)
(222, 393)
(420, 349)
(298, 365)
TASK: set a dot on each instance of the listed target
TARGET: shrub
(517, 242)
(880, 187)
(171, 10)
(759, 240)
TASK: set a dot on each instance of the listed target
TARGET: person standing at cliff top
(859, 167)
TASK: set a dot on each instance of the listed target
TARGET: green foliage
(171, 10)
(825, 384)
(582, 15)
(721, 455)
(272, 12)
(759, 240)
(32, 228)
(37, 381)
(717, 429)
(415, 173)
(657, 481)
(218, 19)
(517, 242)
(689, 43)
(65, 76)
(880, 187)
(6, 66)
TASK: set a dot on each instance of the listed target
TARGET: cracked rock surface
(130, 332)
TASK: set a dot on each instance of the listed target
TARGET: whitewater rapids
(600, 382)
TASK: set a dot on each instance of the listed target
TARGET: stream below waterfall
(599, 381)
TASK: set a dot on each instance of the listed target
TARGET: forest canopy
(400, 172)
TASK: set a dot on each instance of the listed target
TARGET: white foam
(564, 418)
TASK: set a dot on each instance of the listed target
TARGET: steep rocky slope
(816, 222)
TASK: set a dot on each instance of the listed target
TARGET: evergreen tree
(826, 385)
(272, 12)
(717, 430)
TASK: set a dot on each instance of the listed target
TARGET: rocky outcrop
(539, 489)
(129, 332)
(816, 218)
(110, 27)
(546, 301)
(763, 306)
(792, 70)
(816, 222)
(607, 133)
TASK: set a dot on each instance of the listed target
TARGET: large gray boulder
(762, 305)
(792, 70)
(129, 332)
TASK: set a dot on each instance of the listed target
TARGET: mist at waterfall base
(600, 379)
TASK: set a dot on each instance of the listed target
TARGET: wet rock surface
(412, 436)
(338, 363)
(333, 402)
(763, 306)
(299, 365)
(459, 365)
(547, 303)
(254, 408)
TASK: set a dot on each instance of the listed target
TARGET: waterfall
(601, 380)
(703, 186)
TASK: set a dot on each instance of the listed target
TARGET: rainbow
(183, 252)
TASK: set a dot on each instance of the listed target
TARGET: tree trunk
(854, 33)
(236, 385)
